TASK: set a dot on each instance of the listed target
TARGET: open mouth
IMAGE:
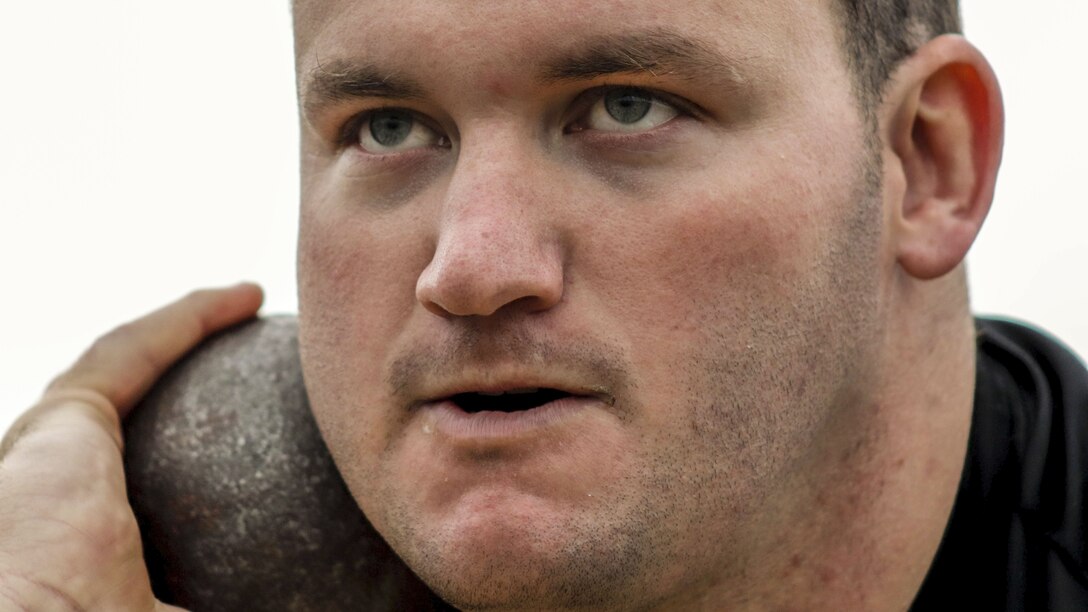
(508, 401)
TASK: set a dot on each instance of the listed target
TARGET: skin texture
(760, 300)
(767, 292)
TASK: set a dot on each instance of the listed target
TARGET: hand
(68, 538)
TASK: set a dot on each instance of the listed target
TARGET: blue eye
(628, 105)
(390, 128)
(628, 109)
(394, 130)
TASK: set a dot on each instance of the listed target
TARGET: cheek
(356, 280)
(719, 264)
(708, 256)
(357, 274)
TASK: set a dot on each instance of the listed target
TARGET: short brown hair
(878, 34)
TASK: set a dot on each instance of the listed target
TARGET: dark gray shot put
(239, 503)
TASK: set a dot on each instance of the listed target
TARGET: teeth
(511, 392)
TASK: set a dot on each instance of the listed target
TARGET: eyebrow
(658, 52)
(340, 80)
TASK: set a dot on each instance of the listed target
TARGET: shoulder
(1045, 359)
(1037, 388)
(1017, 538)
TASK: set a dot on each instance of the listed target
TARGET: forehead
(460, 35)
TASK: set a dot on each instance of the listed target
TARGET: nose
(496, 248)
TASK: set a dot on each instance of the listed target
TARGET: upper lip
(493, 383)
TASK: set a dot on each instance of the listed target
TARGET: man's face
(657, 214)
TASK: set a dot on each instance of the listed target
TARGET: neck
(865, 525)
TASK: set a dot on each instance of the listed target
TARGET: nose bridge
(496, 244)
(492, 179)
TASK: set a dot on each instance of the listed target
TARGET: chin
(520, 557)
(509, 579)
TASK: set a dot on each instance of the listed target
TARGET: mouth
(501, 414)
(515, 400)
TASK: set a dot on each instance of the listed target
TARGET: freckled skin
(728, 269)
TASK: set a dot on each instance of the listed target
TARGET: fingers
(124, 363)
(118, 369)
(64, 515)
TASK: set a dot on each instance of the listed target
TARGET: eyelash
(349, 134)
(585, 101)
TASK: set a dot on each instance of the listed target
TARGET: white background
(149, 147)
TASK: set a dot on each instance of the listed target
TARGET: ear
(943, 126)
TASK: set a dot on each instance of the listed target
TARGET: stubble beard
(694, 519)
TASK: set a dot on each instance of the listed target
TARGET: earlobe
(943, 124)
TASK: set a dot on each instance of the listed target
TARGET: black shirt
(1016, 539)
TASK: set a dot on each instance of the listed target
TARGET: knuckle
(102, 355)
(107, 345)
(122, 334)
(198, 296)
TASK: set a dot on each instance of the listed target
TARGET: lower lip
(447, 419)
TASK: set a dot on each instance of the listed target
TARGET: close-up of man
(629, 306)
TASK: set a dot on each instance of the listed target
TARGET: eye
(395, 130)
(627, 109)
